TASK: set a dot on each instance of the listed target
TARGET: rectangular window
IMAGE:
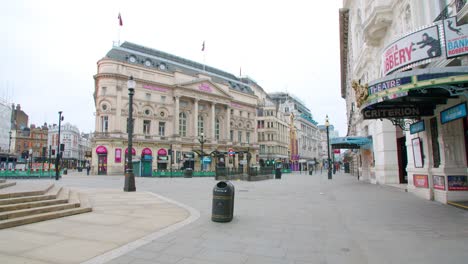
(104, 124)
(239, 136)
(231, 135)
(146, 127)
(162, 128)
(247, 137)
(217, 129)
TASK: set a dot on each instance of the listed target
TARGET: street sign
(231, 152)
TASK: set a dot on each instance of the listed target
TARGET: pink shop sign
(155, 88)
(236, 105)
(205, 87)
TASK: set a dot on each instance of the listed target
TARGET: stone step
(49, 195)
(38, 210)
(15, 194)
(27, 205)
(42, 217)
(6, 184)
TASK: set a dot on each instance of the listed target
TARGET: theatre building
(405, 81)
(177, 105)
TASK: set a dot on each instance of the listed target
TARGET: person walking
(88, 168)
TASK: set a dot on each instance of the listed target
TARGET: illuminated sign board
(453, 113)
(417, 127)
(397, 112)
(456, 38)
(417, 46)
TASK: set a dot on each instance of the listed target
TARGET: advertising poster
(439, 182)
(420, 181)
(118, 155)
(412, 48)
(417, 153)
(456, 38)
(457, 183)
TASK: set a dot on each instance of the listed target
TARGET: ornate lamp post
(202, 141)
(9, 151)
(328, 148)
(129, 176)
(57, 159)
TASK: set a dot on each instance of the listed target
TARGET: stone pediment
(205, 86)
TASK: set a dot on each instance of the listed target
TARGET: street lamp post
(328, 148)
(57, 159)
(202, 141)
(129, 176)
(9, 151)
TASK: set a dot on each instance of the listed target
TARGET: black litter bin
(278, 173)
(310, 172)
(80, 169)
(65, 171)
(188, 173)
(223, 202)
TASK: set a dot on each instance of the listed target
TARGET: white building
(70, 137)
(307, 133)
(5, 126)
(404, 67)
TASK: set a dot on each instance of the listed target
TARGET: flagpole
(204, 55)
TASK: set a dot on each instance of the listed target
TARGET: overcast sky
(50, 48)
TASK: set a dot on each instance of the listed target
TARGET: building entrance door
(402, 159)
(102, 164)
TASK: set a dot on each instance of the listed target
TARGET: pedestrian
(88, 168)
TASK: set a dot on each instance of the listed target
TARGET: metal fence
(28, 174)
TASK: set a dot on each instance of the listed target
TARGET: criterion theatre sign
(397, 112)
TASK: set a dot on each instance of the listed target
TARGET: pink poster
(118, 155)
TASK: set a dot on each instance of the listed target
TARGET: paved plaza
(298, 219)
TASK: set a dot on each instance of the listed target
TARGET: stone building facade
(404, 79)
(177, 103)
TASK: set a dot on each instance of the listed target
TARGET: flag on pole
(120, 20)
(203, 46)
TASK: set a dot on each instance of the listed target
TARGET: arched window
(182, 124)
(217, 129)
(200, 125)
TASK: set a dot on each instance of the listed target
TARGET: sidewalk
(118, 218)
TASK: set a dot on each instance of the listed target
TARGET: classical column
(195, 117)
(228, 123)
(213, 121)
(176, 116)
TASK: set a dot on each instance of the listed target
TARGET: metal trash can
(223, 202)
(278, 173)
(310, 172)
(65, 171)
(188, 173)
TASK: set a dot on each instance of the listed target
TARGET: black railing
(459, 4)
(261, 171)
(223, 171)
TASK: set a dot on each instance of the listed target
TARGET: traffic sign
(231, 152)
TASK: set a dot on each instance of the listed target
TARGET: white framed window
(104, 123)
(146, 127)
(182, 124)
(217, 129)
(201, 123)
(162, 128)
